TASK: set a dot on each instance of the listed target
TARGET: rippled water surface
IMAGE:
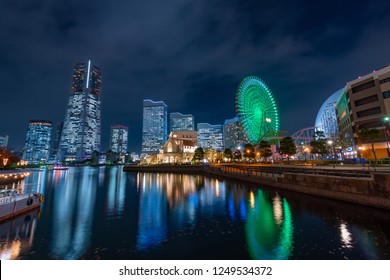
(105, 213)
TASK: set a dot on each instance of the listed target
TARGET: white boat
(12, 203)
(60, 167)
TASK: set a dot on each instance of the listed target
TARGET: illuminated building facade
(179, 148)
(38, 139)
(154, 126)
(345, 126)
(326, 120)
(118, 139)
(180, 122)
(55, 140)
(3, 140)
(82, 124)
(233, 134)
(368, 100)
(210, 136)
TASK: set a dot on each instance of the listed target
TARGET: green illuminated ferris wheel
(256, 108)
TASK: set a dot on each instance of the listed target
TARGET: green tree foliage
(237, 155)
(265, 149)
(370, 135)
(199, 154)
(227, 153)
(318, 144)
(249, 152)
(319, 135)
(287, 147)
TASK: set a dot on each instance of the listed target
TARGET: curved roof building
(326, 120)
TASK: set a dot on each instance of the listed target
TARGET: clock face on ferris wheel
(256, 108)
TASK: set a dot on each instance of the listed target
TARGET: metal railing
(278, 172)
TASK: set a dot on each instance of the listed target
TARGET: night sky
(192, 54)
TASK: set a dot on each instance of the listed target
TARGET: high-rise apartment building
(180, 122)
(154, 126)
(368, 100)
(233, 134)
(210, 136)
(3, 140)
(81, 131)
(118, 139)
(38, 139)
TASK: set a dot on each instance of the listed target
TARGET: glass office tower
(210, 136)
(118, 139)
(154, 126)
(81, 130)
(180, 122)
(38, 140)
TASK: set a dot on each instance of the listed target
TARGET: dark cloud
(191, 54)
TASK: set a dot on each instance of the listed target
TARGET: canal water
(105, 213)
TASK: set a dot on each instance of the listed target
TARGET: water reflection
(99, 212)
(345, 236)
(17, 235)
(269, 228)
(35, 182)
(152, 222)
(116, 193)
(73, 214)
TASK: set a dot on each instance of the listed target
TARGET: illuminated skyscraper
(118, 139)
(233, 134)
(38, 138)
(154, 126)
(55, 140)
(326, 120)
(180, 122)
(81, 132)
(210, 136)
(3, 140)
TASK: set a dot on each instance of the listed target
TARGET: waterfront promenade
(364, 185)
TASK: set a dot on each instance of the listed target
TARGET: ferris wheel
(256, 108)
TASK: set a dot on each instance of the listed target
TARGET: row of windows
(364, 86)
(386, 80)
(374, 124)
(345, 123)
(369, 112)
(366, 100)
(185, 136)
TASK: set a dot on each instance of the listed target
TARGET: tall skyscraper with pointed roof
(82, 125)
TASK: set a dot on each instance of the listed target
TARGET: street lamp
(330, 142)
(386, 119)
(306, 151)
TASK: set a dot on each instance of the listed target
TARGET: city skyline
(197, 64)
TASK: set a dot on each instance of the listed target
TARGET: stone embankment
(371, 188)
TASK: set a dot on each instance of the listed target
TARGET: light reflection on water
(73, 215)
(104, 213)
